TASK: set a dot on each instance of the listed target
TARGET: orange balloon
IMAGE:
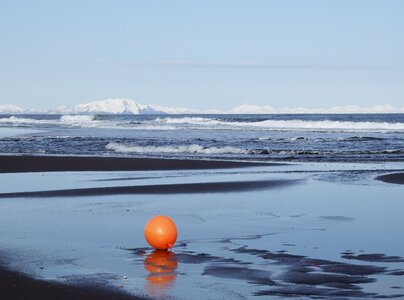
(160, 232)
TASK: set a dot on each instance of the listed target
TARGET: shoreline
(32, 163)
(16, 286)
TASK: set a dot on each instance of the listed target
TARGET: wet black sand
(295, 275)
(397, 178)
(186, 188)
(17, 286)
(299, 275)
(15, 164)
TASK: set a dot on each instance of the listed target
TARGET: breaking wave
(71, 120)
(192, 121)
(324, 152)
(19, 121)
(194, 148)
(206, 123)
(198, 149)
(360, 139)
(77, 119)
(287, 124)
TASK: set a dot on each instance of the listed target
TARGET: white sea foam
(326, 125)
(85, 121)
(79, 120)
(92, 121)
(191, 121)
(172, 123)
(66, 119)
(76, 118)
(18, 120)
(194, 148)
(285, 124)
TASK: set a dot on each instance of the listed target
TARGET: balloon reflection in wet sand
(161, 265)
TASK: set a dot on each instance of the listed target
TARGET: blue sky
(203, 54)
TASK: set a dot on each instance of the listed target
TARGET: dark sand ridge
(15, 164)
(17, 286)
(185, 188)
(397, 178)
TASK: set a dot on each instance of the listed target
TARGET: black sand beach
(17, 286)
(290, 269)
(397, 178)
(158, 189)
(15, 164)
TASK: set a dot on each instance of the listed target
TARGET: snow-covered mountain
(112, 106)
(122, 106)
(128, 106)
(107, 106)
(10, 109)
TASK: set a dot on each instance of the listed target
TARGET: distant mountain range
(122, 106)
(10, 109)
(128, 106)
(108, 106)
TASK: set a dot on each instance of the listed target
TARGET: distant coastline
(129, 106)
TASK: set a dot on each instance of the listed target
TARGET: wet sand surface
(12, 164)
(158, 189)
(17, 286)
(288, 275)
(397, 178)
(315, 231)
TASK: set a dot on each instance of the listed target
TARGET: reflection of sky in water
(86, 235)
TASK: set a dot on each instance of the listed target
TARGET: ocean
(297, 137)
